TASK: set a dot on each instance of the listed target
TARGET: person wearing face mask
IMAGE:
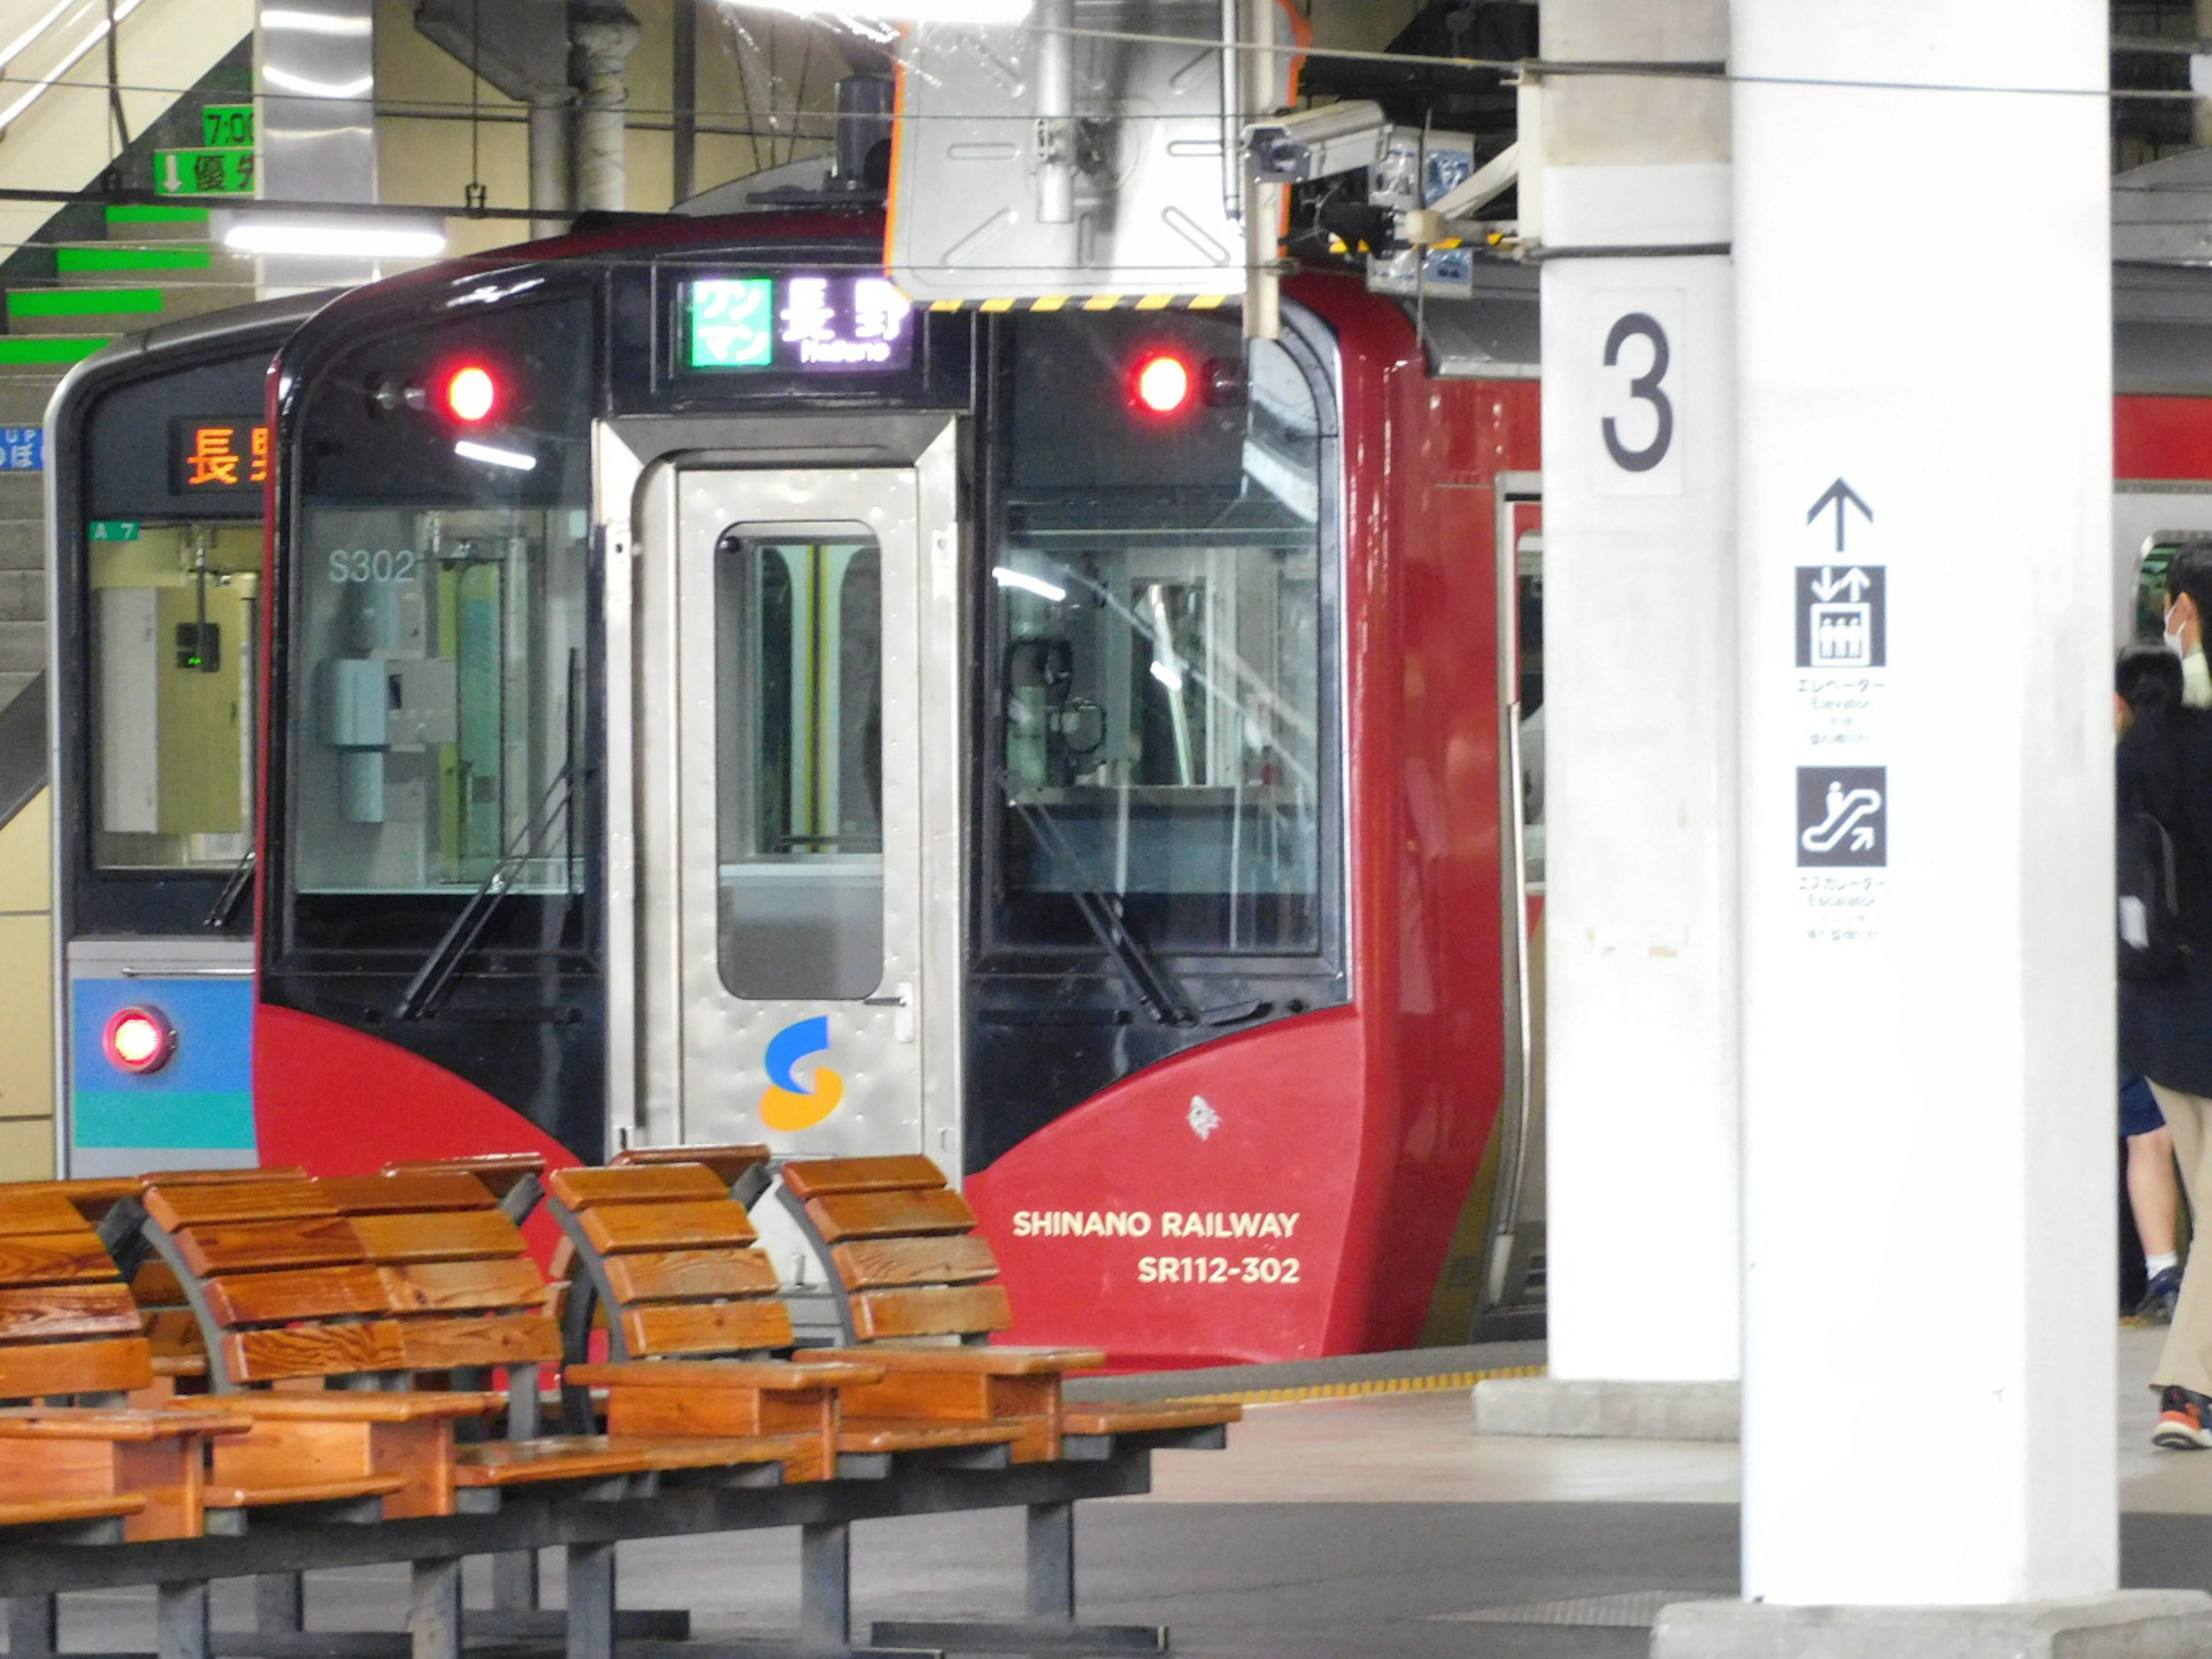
(2164, 765)
(2185, 636)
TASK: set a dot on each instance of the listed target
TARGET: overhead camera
(1313, 143)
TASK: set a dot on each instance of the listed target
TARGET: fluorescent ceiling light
(314, 22)
(986, 12)
(1028, 584)
(469, 450)
(337, 235)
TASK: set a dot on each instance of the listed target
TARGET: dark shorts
(2139, 1113)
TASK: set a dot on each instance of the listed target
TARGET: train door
(786, 915)
(1511, 1301)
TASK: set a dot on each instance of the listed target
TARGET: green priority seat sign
(204, 173)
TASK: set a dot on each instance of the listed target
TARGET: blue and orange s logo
(785, 1105)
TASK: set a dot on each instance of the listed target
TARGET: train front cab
(158, 457)
(1064, 743)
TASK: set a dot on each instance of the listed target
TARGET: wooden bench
(905, 1255)
(371, 1284)
(677, 1265)
(78, 1467)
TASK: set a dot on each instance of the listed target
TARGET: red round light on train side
(471, 393)
(1163, 383)
(140, 1041)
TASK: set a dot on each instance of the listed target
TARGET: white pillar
(1624, 195)
(1924, 393)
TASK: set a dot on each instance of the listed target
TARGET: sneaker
(2164, 1290)
(2181, 1420)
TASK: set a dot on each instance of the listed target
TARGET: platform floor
(1375, 1528)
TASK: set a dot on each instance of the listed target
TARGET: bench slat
(636, 1183)
(441, 1344)
(56, 1510)
(499, 1172)
(465, 1286)
(192, 1204)
(53, 1311)
(313, 1351)
(430, 1189)
(821, 1177)
(351, 1291)
(307, 1491)
(938, 1259)
(727, 1163)
(690, 1275)
(627, 1227)
(324, 1241)
(45, 1211)
(54, 1258)
(931, 1310)
(841, 1216)
(446, 1236)
(570, 1457)
(706, 1327)
(110, 1365)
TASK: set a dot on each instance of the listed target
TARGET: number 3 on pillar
(1640, 425)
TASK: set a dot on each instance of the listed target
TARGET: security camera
(1313, 143)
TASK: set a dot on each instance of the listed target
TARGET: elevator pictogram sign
(1842, 616)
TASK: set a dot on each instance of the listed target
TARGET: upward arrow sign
(1837, 495)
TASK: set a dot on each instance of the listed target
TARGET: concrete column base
(2125, 1624)
(1581, 1409)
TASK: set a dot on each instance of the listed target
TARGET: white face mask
(2173, 641)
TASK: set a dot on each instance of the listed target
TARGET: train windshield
(440, 619)
(1158, 601)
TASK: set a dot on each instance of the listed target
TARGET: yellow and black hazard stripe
(1091, 302)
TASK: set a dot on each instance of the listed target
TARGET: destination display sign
(827, 323)
(206, 455)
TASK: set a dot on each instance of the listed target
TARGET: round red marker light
(139, 1039)
(1162, 384)
(469, 393)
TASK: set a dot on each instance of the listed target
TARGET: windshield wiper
(437, 975)
(234, 889)
(1153, 985)
(427, 990)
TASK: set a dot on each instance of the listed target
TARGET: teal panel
(203, 1120)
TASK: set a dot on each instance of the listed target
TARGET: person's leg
(2153, 1191)
(2186, 1359)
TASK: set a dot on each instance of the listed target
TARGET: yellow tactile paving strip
(1370, 1385)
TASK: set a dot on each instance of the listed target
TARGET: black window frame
(1312, 347)
(398, 931)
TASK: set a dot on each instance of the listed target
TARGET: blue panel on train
(200, 1099)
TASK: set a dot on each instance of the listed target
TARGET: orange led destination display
(214, 454)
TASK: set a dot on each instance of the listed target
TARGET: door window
(174, 637)
(799, 833)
